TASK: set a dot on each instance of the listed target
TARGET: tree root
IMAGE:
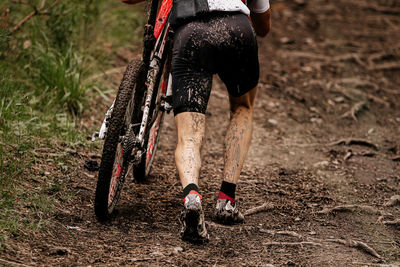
(352, 208)
(355, 110)
(319, 242)
(354, 141)
(255, 210)
(356, 244)
(357, 94)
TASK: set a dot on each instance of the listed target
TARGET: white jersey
(256, 6)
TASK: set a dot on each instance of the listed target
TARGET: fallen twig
(348, 155)
(289, 233)
(262, 208)
(11, 263)
(355, 110)
(395, 222)
(37, 11)
(374, 264)
(393, 201)
(216, 225)
(397, 158)
(353, 141)
(352, 56)
(301, 244)
(386, 66)
(356, 244)
(378, 100)
(357, 82)
(352, 208)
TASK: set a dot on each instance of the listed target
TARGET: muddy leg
(238, 136)
(190, 127)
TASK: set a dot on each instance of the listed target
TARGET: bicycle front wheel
(114, 164)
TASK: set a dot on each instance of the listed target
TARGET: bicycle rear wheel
(114, 164)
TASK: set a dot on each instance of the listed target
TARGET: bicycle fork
(131, 140)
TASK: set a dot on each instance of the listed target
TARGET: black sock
(228, 189)
(189, 188)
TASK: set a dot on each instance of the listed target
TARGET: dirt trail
(330, 71)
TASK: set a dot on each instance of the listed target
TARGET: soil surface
(325, 160)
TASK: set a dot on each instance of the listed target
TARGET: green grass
(44, 92)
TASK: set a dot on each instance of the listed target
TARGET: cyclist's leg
(190, 128)
(240, 75)
(238, 137)
(191, 86)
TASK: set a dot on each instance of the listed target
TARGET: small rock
(393, 201)
(74, 228)
(312, 233)
(46, 173)
(286, 40)
(297, 219)
(339, 99)
(370, 131)
(308, 41)
(27, 44)
(178, 249)
(157, 253)
(323, 163)
(307, 69)
(272, 121)
(317, 120)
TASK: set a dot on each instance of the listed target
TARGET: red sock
(222, 195)
(227, 191)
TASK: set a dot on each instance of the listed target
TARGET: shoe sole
(191, 233)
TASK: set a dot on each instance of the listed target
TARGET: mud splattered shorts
(216, 43)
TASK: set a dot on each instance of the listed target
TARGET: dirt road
(324, 160)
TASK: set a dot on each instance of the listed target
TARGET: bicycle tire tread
(116, 125)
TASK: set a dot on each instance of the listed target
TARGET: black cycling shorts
(215, 43)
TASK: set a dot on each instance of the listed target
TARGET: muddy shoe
(192, 220)
(226, 213)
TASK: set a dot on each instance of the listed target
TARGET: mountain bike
(132, 125)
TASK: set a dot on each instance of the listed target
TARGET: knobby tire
(120, 119)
